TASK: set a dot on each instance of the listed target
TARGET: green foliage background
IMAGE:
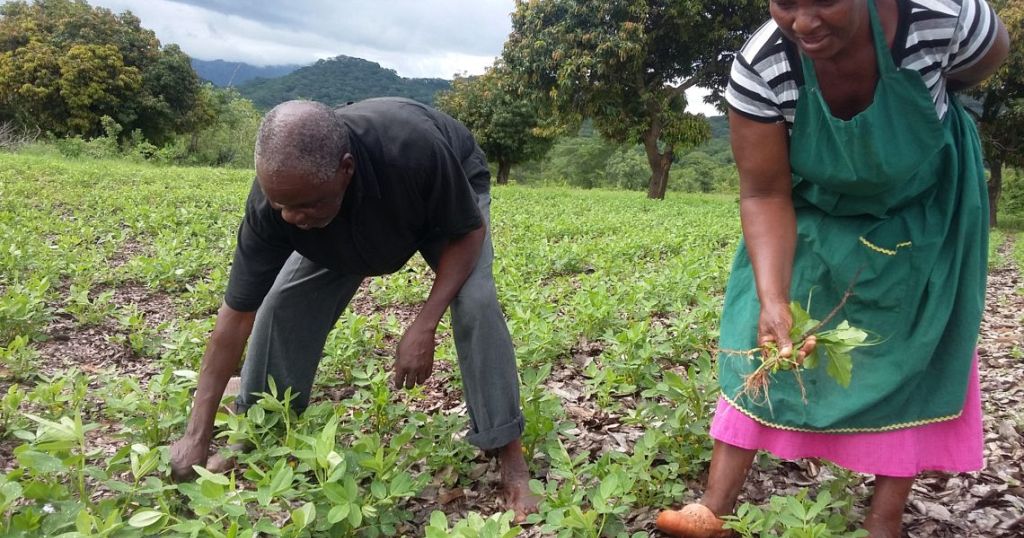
(64, 65)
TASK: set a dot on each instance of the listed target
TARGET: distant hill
(719, 127)
(222, 73)
(339, 80)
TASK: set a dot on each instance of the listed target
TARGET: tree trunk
(660, 163)
(503, 169)
(995, 188)
(659, 182)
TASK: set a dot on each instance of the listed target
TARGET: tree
(172, 91)
(627, 64)
(1001, 119)
(30, 86)
(65, 64)
(223, 127)
(94, 82)
(581, 161)
(506, 123)
(702, 169)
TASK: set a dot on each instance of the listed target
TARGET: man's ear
(346, 169)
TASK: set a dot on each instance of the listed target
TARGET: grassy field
(110, 274)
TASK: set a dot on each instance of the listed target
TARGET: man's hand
(414, 360)
(185, 453)
(415, 357)
(223, 352)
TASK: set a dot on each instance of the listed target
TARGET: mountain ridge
(339, 80)
(224, 73)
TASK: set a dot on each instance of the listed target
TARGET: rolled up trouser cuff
(499, 436)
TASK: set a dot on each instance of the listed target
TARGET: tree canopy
(508, 125)
(627, 63)
(65, 64)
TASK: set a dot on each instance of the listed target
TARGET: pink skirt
(953, 446)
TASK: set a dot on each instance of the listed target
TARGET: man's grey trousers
(306, 301)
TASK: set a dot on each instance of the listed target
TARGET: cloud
(476, 27)
(435, 38)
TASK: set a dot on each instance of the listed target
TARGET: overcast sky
(416, 38)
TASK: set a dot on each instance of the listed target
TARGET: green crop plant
(797, 516)
(607, 295)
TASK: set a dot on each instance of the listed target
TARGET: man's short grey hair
(303, 136)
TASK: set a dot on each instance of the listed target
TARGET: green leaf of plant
(802, 321)
(811, 361)
(840, 366)
(438, 520)
(215, 478)
(84, 522)
(304, 515)
(144, 518)
(379, 489)
(282, 480)
(338, 513)
(355, 516)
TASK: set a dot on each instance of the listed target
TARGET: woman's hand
(774, 326)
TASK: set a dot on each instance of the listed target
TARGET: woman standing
(857, 167)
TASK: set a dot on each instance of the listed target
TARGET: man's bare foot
(515, 481)
(222, 463)
(232, 389)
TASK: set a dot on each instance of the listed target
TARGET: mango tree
(627, 63)
(507, 122)
(65, 64)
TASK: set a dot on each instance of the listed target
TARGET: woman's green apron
(896, 199)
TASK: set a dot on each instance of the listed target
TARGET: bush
(228, 140)
(589, 162)
(225, 138)
(1011, 201)
(101, 147)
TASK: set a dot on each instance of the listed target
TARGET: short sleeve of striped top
(936, 38)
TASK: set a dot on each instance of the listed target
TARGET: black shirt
(417, 175)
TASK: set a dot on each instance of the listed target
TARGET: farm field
(111, 272)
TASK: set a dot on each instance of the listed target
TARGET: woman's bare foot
(883, 529)
(885, 518)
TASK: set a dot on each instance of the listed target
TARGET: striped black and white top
(936, 38)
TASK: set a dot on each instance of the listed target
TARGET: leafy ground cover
(110, 274)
